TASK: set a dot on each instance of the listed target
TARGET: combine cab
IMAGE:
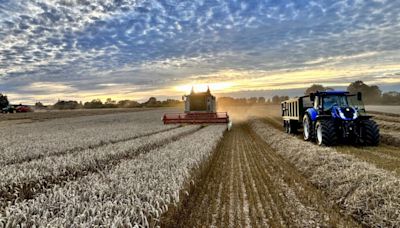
(200, 108)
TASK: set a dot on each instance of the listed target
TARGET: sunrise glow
(215, 87)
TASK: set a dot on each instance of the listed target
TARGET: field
(126, 169)
(384, 109)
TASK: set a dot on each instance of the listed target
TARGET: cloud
(145, 45)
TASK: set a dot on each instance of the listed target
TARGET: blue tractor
(329, 118)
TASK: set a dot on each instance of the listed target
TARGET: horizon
(237, 95)
(72, 50)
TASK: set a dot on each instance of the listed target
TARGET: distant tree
(252, 100)
(60, 104)
(283, 98)
(371, 94)
(128, 104)
(152, 102)
(275, 99)
(316, 87)
(226, 101)
(110, 103)
(261, 100)
(278, 99)
(96, 103)
(170, 103)
(3, 101)
(391, 98)
(241, 101)
(39, 105)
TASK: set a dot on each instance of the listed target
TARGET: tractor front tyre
(326, 133)
(371, 135)
(307, 128)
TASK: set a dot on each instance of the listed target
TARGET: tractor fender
(312, 113)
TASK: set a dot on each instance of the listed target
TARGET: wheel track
(319, 210)
(273, 182)
(262, 195)
(277, 216)
(24, 191)
(265, 191)
(249, 186)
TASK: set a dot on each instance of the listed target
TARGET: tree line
(227, 101)
(371, 94)
(110, 103)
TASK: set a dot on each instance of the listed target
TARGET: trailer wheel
(371, 135)
(285, 126)
(326, 133)
(307, 129)
(292, 127)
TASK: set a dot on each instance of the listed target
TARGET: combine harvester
(330, 117)
(200, 108)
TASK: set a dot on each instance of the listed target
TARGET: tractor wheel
(326, 133)
(371, 135)
(307, 128)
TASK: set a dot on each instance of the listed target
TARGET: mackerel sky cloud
(85, 49)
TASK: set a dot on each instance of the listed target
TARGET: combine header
(200, 108)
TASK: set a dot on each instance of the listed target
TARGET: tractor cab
(338, 102)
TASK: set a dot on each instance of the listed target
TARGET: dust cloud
(243, 113)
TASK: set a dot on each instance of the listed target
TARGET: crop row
(135, 192)
(22, 180)
(369, 194)
(25, 142)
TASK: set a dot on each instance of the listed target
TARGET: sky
(134, 49)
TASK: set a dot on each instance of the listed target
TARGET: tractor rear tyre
(371, 135)
(308, 133)
(326, 133)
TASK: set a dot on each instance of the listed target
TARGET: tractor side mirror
(312, 97)
(359, 96)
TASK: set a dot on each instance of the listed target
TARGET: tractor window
(334, 100)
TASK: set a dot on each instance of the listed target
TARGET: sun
(214, 87)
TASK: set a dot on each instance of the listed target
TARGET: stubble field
(127, 169)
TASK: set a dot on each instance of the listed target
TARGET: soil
(246, 183)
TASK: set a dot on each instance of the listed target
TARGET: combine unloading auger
(200, 108)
